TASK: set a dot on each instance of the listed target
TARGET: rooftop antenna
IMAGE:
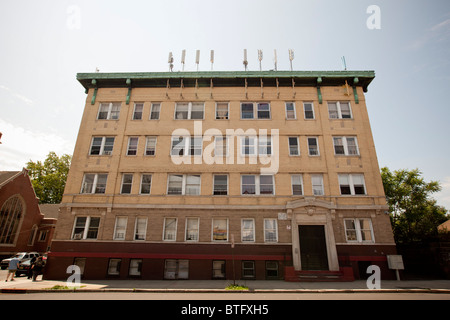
(183, 58)
(260, 57)
(170, 61)
(245, 59)
(275, 58)
(197, 58)
(344, 64)
(212, 59)
(291, 56)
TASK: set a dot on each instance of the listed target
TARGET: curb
(300, 291)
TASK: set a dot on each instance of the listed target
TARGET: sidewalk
(24, 285)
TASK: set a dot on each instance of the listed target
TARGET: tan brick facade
(349, 220)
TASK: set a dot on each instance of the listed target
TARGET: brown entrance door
(313, 247)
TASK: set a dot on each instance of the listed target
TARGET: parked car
(23, 268)
(22, 257)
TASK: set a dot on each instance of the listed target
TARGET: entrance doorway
(313, 247)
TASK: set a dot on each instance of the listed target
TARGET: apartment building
(222, 175)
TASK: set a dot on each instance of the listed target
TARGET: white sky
(44, 44)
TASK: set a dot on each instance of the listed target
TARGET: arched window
(10, 215)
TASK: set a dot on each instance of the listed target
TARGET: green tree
(49, 178)
(414, 214)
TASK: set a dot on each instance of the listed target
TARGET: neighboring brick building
(23, 228)
(171, 169)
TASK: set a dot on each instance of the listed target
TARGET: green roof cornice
(226, 78)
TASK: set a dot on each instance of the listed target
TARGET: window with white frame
(255, 110)
(189, 110)
(248, 146)
(220, 185)
(120, 228)
(170, 229)
(155, 111)
(308, 108)
(150, 146)
(248, 230)
(109, 111)
(220, 146)
(270, 230)
(222, 110)
(146, 183)
(339, 110)
(317, 184)
(294, 148)
(192, 146)
(192, 226)
(182, 184)
(86, 228)
(220, 229)
(127, 183)
(297, 184)
(352, 184)
(265, 145)
(290, 111)
(313, 146)
(94, 183)
(358, 230)
(135, 267)
(257, 185)
(347, 146)
(140, 229)
(114, 267)
(138, 110)
(132, 146)
(102, 146)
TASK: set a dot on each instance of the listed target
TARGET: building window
(146, 183)
(352, 184)
(135, 268)
(219, 269)
(150, 146)
(220, 146)
(248, 269)
(43, 236)
(270, 230)
(271, 269)
(294, 148)
(339, 110)
(132, 146)
(317, 184)
(156, 110)
(184, 184)
(94, 183)
(192, 146)
(297, 184)
(121, 228)
(253, 110)
(192, 229)
(248, 146)
(86, 228)
(127, 182)
(222, 110)
(114, 267)
(32, 235)
(257, 184)
(170, 229)
(220, 229)
(220, 185)
(140, 229)
(265, 145)
(290, 111)
(358, 230)
(138, 109)
(10, 216)
(308, 108)
(189, 110)
(313, 146)
(347, 146)
(101, 146)
(109, 111)
(248, 230)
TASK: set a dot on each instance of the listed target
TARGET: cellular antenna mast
(212, 59)
(197, 58)
(344, 64)
(170, 61)
(183, 58)
(245, 59)
(291, 56)
(260, 57)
